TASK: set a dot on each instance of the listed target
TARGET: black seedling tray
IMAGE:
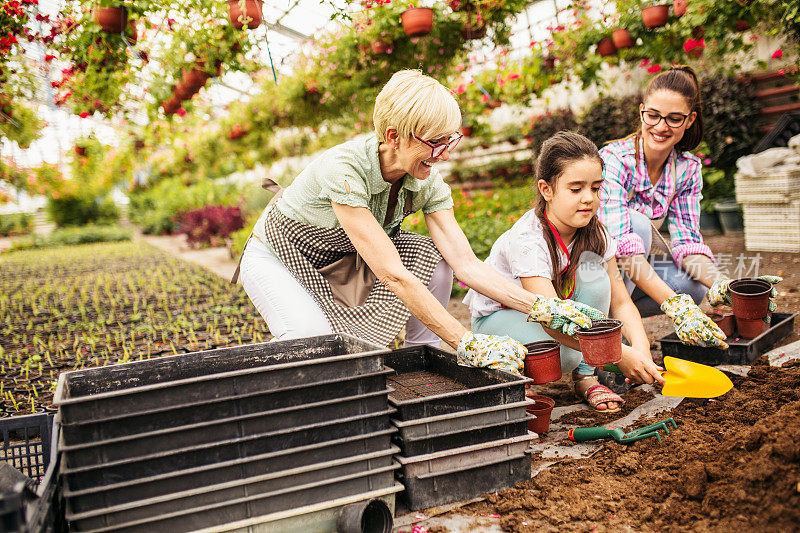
(439, 488)
(232, 490)
(475, 387)
(173, 482)
(462, 421)
(138, 387)
(220, 408)
(461, 437)
(165, 440)
(225, 512)
(210, 453)
(26, 443)
(739, 352)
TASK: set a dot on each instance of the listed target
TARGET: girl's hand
(692, 325)
(720, 293)
(491, 351)
(566, 316)
(639, 367)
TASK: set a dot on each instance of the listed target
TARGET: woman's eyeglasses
(673, 120)
(438, 149)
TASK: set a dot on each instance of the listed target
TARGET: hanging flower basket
(80, 150)
(679, 7)
(171, 106)
(606, 47)
(622, 38)
(417, 21)
(110, 19)
(655, 16)
(184, 92)
(467, 131)
(236, 131)
(252, 11)
(472, 31)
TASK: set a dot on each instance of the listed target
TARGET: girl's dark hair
(682, 80)
(557, 152)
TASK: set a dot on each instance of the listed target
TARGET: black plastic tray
(268, 422)
(141, 489)
(464, 437)
(219, 408)
(207, 454)
(138, 387)
(439, 488)
(240, 488)
(26, 443)
(484, 387)
(250, 506)
(739, 352)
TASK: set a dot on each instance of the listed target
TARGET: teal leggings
(592, 287)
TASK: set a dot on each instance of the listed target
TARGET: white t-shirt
(521, 252)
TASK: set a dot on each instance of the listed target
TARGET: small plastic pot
(369, 516)
(622, 38)
(543, 362)
(750, 298)
(750, 328)
(602, 343)
(725, 322)
(417, 21)
(606, 47)
(655, 16)
(541, 409)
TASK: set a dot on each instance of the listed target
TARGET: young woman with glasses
(649, 177)
(329, 256)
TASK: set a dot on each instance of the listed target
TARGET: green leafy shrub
(15, 224)
(81, 210)
(75, 235)
(545, 126)
(609, 119)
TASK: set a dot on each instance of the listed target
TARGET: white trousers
(291, 313)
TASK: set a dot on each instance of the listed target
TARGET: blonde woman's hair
(415, 104)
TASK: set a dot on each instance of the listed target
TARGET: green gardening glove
(720, 292)
(566, 316)
(692, 325)
(491, 351)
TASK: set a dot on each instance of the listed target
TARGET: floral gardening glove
(491, 351)
(566, 316)
(720, 293)
(691, 324)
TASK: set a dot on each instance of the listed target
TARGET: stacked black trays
(225, 436)
(463, 431)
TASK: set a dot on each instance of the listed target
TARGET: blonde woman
(329, 255)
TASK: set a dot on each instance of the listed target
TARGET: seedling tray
(180, 481)
(376, 463)
(439, 488)
(430, 382)
(224, 512)
(102, 393)
(210, 453)
(463, 421)
(468, 456)
(739, 352)
(266, 423)
(26, 443)
(168, 416)
(464, 437)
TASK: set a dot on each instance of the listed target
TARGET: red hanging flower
(777, 54)
(84, 114)
(655, 67)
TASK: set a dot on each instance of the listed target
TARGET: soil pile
(732, 463)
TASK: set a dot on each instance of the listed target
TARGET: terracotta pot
(110, 19)
(750, 297)
(655, 16)
(606, 47)
(622, 38)
(80, 150)
(236, 131)
(184, 92)
(742, 25)
(138, 144)
(417, 21)
(252, 10)
(493, 104)
(602, 343)
(725, 322)
(543, 362)
(473, 31)
(679, 7)
(750, 328)
(171, 106)
(541, 409)
(467, 131)
(195, 77)
(379, 47)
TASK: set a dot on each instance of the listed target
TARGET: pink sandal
(598, 394)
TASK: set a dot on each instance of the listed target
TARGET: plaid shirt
(681, 182)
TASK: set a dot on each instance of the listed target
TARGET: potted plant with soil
(110, 15)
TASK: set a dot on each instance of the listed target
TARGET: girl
(651, 176)
(560, 249)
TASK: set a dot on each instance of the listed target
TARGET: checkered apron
(304, 249)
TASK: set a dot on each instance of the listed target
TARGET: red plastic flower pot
(679, 7)
(195, 78)
(171, 106)
(725, 322)
(543, 362)
(467, 131)
(252, 11)
(606, 47)
(541, 409)
(417, 21)
(602, 343)
(622, 38)
(750, 328)
(655, 16)
(750, 297)
(110, 19)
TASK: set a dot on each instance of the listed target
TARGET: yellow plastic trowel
(689, 379)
